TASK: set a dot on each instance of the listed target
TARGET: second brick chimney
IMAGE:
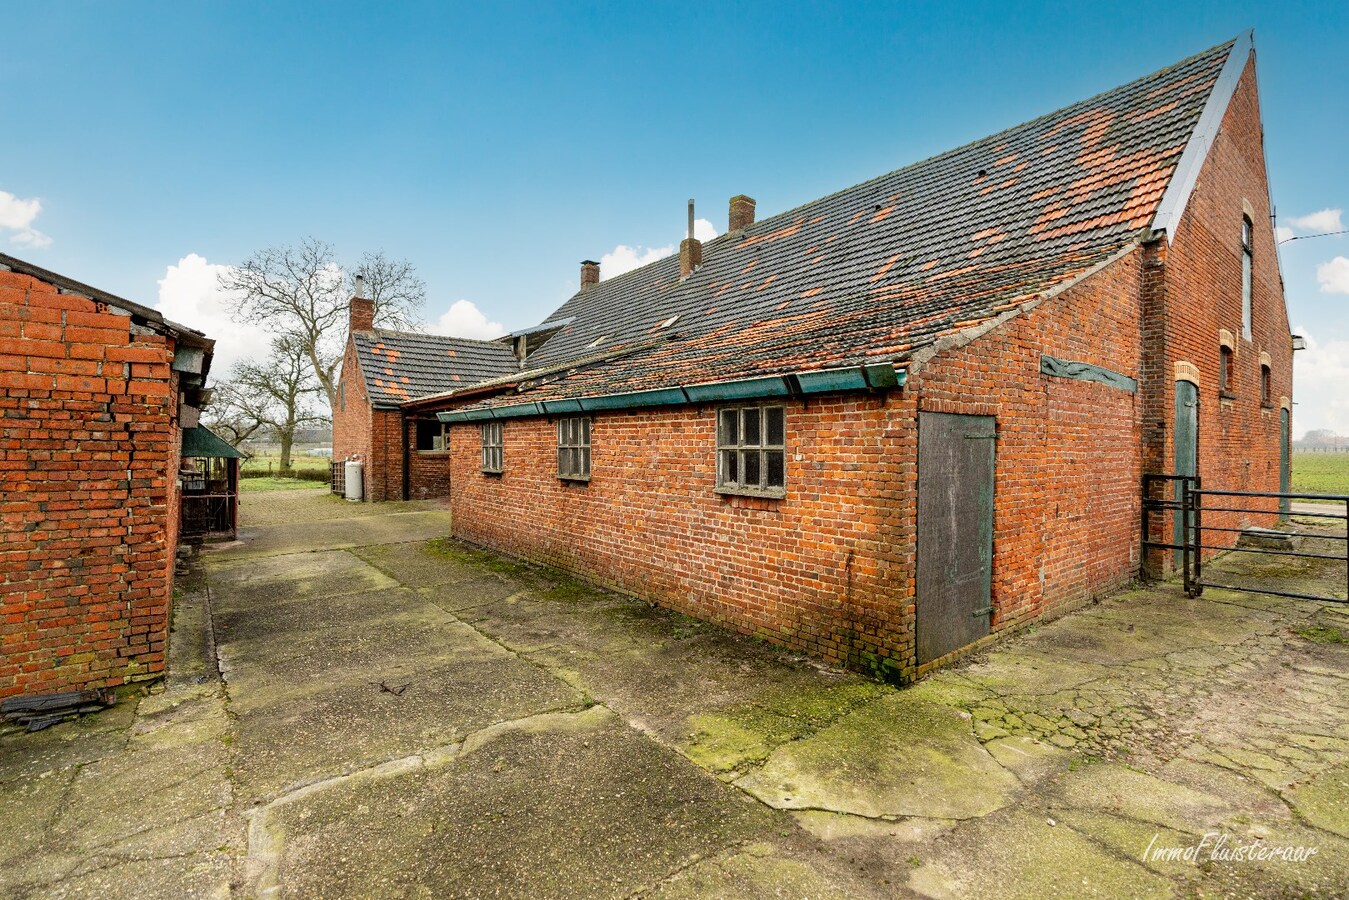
(362, 310)
(590, 274)
(742, 212)
(690, 250)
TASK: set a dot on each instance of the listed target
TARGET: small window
(1246, 254)
(342, 396)
(1266, 387)
(1226, 371)
(491, 447)
(573, 449)
(751, 451)
(431, 435)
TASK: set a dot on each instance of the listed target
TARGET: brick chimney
(361, 309)
(590, 274)
(742, 212)
(690, 250)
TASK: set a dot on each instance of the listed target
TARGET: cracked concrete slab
(892, 757)
(560, 806)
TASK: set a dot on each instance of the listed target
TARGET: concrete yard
(361, 707)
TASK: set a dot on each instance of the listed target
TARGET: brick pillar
(742, 212)
(1155, 389)
(690, 256)
(590, 274)
(362, 311)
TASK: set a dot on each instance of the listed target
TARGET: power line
(1301, 237)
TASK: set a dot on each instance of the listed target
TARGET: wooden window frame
(1227, 369)
(1247, 269)
(443, 437)
(1266, 387)
(573, 449)
(492, 447)
(734, 451)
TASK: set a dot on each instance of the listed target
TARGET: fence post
(1198, 508)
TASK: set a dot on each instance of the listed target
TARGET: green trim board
(857, 378)
(1066, 368)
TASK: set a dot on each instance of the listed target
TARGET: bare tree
(299, 292)
(279, 395)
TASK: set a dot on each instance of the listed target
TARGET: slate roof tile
(882, 268)
(400, 365)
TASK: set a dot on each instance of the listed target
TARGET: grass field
(272, 462)
(1320, 473)
(250, 485)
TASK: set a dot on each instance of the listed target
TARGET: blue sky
(497, 145)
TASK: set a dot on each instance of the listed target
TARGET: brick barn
(890, 424)
(94, 394)
(404, 454)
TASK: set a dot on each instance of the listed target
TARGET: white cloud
(624, 258)
(1283, 233)
(1333, 276)
(1319, 221)
(17, 216)
(464, 319)
(1319, 375)
(190, 294)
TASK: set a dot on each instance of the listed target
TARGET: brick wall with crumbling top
(89, 445)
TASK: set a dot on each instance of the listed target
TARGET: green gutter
(829, 381)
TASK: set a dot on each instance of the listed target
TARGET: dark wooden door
(955, 531)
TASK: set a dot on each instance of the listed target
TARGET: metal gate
(1186, 500)
(955, 531)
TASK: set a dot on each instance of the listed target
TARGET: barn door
(1285, 470)
(1187, 449)
(955, 532)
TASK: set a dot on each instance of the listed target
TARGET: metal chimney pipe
(360, 287)
(690, 219)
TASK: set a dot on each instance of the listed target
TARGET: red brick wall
(375, 435)
(1069, 457)
(89, 450)
(1200, 290)
(815, 571)
(352, 415)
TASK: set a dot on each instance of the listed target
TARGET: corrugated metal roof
(399, 365)
(880, 269)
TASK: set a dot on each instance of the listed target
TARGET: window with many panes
(752, 451)
(491, 447)
(1246, 278)
(573, 449)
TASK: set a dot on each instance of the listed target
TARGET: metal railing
(1190, 537)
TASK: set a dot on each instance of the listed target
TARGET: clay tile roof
(887, 266)
(425, 363)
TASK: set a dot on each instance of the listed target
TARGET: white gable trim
(1177, 195)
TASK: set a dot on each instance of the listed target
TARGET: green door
(1187, 448)
(1285, 469)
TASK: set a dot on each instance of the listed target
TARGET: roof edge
(958, 339)
(1183, 180)
(153, 317)
(881, 376)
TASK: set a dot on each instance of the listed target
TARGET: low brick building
(404, 455)
(890, 424)
(94, 393)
